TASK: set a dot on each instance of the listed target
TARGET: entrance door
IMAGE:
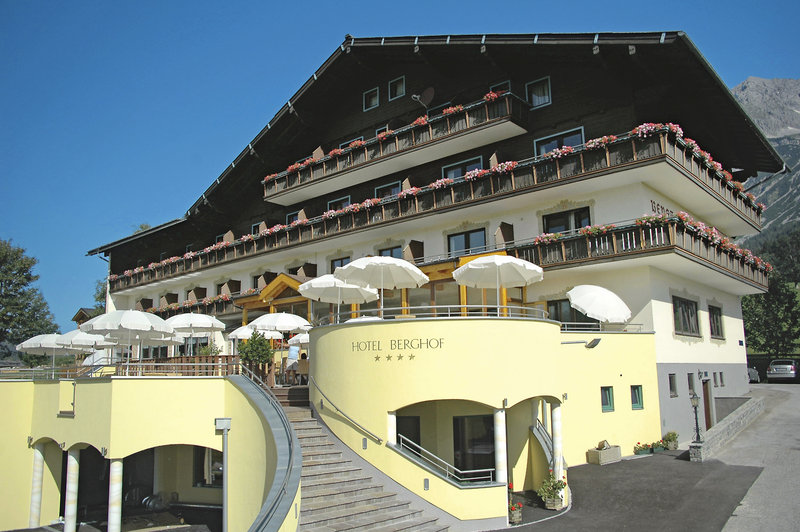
(473, 443)
(707, 402)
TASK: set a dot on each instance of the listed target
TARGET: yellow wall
(127, 415)
(469, 367)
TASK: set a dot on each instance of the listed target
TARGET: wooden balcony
(478, 124)
(641, 241)
(684, 178)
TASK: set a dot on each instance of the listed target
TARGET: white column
(71, 500)
(36, 485)
(500, 452)
(558, 447)
(115, 495)
(391, 428)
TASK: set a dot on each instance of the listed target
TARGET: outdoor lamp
(695, 399)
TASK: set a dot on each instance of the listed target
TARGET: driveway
(751, 485)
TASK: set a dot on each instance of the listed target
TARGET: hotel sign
(396, 347)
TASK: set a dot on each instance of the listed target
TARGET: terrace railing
(526, 176)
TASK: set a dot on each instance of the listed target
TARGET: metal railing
(444, 311)
(348, 418)
(443, 467)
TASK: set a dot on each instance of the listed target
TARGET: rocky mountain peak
(774, 104)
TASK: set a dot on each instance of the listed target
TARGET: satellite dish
(425, 98)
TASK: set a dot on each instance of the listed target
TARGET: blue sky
(114, 114)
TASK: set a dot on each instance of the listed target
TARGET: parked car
(781, 369)
(753, 375)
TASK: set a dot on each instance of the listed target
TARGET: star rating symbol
(388, 357)
(399, 357)
(411, 356)
(377, 358)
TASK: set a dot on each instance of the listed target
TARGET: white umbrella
(194, 322)
(128, 325)
(599, 303)
(242, 333)
(329, 289)
(280, 321)
(494, 271)
(381, 272)
(299, 339)
(45, 344)
(86, 342)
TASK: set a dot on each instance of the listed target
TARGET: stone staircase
(338, 495)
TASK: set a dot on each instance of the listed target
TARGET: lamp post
(695, 403)
(224, 424)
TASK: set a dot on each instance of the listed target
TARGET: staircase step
(313, 437)
(362, 516)
(313, 486)
(333, 472)
(338, 491)
(297, 413)
(418, 524)
(323, 452)
(321, 464)
(361, 499)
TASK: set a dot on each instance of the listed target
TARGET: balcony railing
(633, 240)
(526, 176)
(477, 115)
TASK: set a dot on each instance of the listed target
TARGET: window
(219, 238)
(371, 99)
(690, 380)
(722, 378)
(256, 280)
(463, 243)
(207, 467)
(396, 252)
(607, 398)
(473, 442)
(339, 203)
(397, 88)
(335, 263)
(459, 169)
(562, 222)
(292, 217)
(715, 320)
(346, 144)
(561, 310)
(716, 382)
(637, 403)
(673, 385)
(254, 229)
(685, 314)
(573, 137)
(537, 92)
(408, 426)
(382, 129)
(502, 86)
(220, 287)
(387, 190)
(188, 248)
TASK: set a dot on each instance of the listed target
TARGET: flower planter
(515, 516)
(604, 456)
(643, 451)
(555, 503)
(658, 450)
(672, 445)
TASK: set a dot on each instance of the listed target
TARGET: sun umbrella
(495, 271)
(381, 272)
(45, 344)
(328, 289)
(86, 342)
(128, 326)
(599, 303)
(280, 321)
(299, 339)
(194, 322)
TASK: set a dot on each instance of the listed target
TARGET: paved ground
(751, 485)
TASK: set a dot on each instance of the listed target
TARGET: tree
(772, 320)
(781, 251)
(23, 310)
(256, 349)
(99, 297)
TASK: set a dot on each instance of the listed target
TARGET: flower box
(604, 456)
(555, 503)
(515, 516)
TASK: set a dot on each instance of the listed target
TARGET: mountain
(774, 105)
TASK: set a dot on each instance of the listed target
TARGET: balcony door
(473, 443)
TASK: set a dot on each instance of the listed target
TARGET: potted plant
(256, 351)
(514, 512)
(642, 448)
(551, 491)
(659, 446)
(671, 439)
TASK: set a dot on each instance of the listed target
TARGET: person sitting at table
(291, 364)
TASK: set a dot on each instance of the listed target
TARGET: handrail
(448, 311)
(351, 420)
(270, 511)
(449, 470)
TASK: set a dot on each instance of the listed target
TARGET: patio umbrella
(192, 322)
(299, 339)
(242, 333)
(128, 325)
(494, 271)
(599, 303)
(381, 272)
(280, 321)
(329, 289)
(45, 344)
(86, 342)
